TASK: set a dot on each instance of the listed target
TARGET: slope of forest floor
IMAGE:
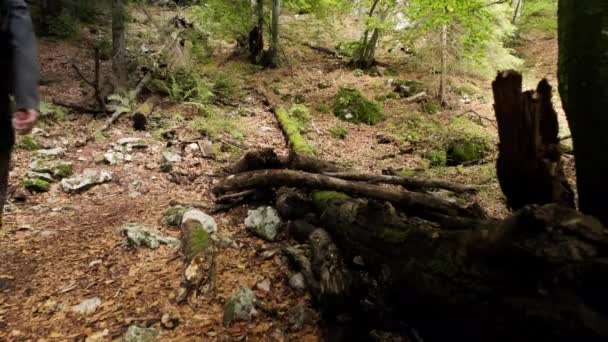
(61, 249)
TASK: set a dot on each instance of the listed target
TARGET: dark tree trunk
(583, 77)
(274, 59)
(529, 165)
(119, 45)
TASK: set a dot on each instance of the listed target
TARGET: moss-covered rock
(37, 185)
(196, 240)
(350, 105)
(465, 152)
(172, 217)
(58, 168)
(321, 199)
(28, 143)
(407, 88)
(437, 158)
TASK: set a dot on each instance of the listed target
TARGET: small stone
(192, 149)
(49, 307)
(37, 185)
(113, 158)
(87, 307)
(240, 307)
(98, 337)
(129, 141)
(358, 260)
(297, 282)
(263, 285)
(169, 321)
(298, 316)
(95, 263)
(57, 152)
(137, 334)
(151, 166)
(171, 158)
(206, 221)
(264, 222)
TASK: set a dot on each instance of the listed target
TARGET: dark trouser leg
(5, 157)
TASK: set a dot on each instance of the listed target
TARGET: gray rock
(113, 158)
(171, 158)
(297, 282)
(192, 149)
(87, 307)
(58, 168)
(137, 334)
(205, 220)
(264, 222)
(40, 175)
(88, 179)
(56, 152)
(298, 316)
(140, 236)
(129, 141)
(240, 307)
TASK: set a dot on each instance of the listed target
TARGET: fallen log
(538, 275)
(411, 202)
(410, 183)
(291, 130)
(140, 117)
(529, 166)
(266, 159)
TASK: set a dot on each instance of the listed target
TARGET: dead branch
(416, 97)
(410, 183)
(412, 202)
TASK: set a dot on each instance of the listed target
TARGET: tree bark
(119, 48)
(583, 77)
(275, 60)
(517, 8)
(529, 165)
(410, 183)
(444, 66)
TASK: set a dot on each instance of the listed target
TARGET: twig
(235, 196)
(479, 116)
(416, 97)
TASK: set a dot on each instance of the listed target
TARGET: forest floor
(59, 249)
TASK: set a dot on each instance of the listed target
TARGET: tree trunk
(517, 8)
(274, 59)
(444, 65)
(583, 78)
(529, 165)
(364, 54)
(256, 36)
(119, 48)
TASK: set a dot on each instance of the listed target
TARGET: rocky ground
(73, 267)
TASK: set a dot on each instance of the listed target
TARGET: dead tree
(529, 165)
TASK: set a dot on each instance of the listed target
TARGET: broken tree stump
(529, 166)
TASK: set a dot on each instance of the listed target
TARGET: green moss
(351, 105)
(322, 198)
(437, 158)
(29, 143)
(213, 123)
(301, 113)
(36, 185)
(198, 239)
(394, 235)
(62, 170)
(292, 129)
(172, 217)
(358, 73)
(322, 108)
(430, 107)
(465, 152)
(339, 132)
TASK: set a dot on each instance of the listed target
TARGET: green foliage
(213, 124)
(105, 48)
(347, 48)
(430, 106)
(358, 73)
(36, 185)
(224, 19)
(63, 26)
(323, 108)
(184, 85)
(539, 15)
(50, 112)
(465, 152)
(225, 88)
(350, 105)
(339, 132)
(437, 158)
(28, 143)
(198, 240)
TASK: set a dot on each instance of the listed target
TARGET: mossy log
(415, 203)
(529, 165)
(267, 158)
(140, 117)
(291, 129)
(538, 275)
